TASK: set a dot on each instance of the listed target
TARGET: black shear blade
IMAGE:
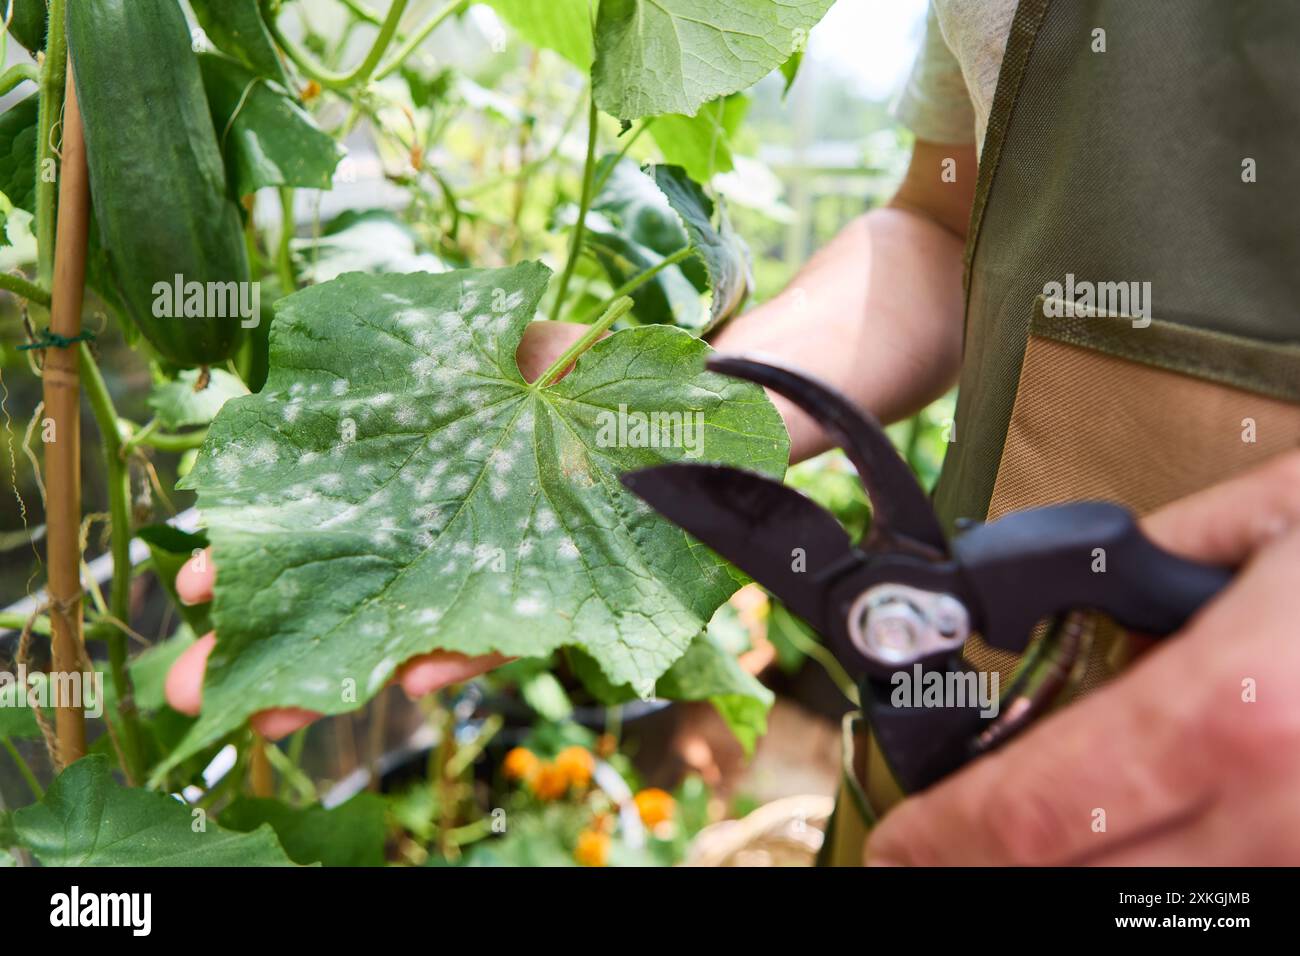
(774, 534)
(901, 512)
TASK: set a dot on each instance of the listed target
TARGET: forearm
(877, 313)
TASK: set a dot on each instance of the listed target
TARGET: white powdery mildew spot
(567, 549)
(427, 515)
(405, 415)
(340, 387)
(229, 466)
(263, 453)
(476, 448)
(316, 685)
(380, 674)
(307, 457)
(502, 461)
(411, 318)
(292, 411)
(525, 548)
(429, 616)
(330, 482)
(529, 606)
(459, 484)
(546, 520)
(462, 548)
(382, 398)
(448, 568)
(467, 302)
(499, 489)
(297, 388)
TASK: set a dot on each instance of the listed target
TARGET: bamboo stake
(62, 389)
(261, 779)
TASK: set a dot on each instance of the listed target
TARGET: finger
(195, 579)
(1081, 781)
(543, 343)
(1216, 837)
(282, 721)
(183, 687)
(429, 672)
(1228, 522)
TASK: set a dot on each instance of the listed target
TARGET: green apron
(1130, 142)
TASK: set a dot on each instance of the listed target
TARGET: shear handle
(1088, 555)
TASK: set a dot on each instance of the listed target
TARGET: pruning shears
(906, 598)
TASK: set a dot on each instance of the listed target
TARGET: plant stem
(52, 83)
(16, 622)
(21, 287)
(172, 442)
(118, 484)
(418, 37)
(283, 257)
(617, 309)
(28, 777)
(340, 82)
(575, 247)
(640, 279)
(609, 171)
(17, 74)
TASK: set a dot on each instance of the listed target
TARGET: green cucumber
(157, 178)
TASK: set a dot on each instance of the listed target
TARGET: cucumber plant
(375, 476)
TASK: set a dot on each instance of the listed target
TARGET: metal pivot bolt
(896, 624)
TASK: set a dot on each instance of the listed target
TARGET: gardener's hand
(543, 342)
(1193, 755)
(419, 676)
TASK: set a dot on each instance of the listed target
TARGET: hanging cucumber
(173, 235)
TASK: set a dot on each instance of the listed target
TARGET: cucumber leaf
(631, 228)
(351, 834)
(397, 487)
(700, 144)
(17, 718)
(18, 153)
(724, 253)
(672, 56)
(178, 405)
(29, 22)
(266, 138)
(86, 819)
(707, 671)
(235, 27)
(560, 25)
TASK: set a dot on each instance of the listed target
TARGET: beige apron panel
(1090, 425)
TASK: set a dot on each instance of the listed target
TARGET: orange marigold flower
(577, 764)
(549, 782)
(655, 806)
(592, 848)
(520, 764)
(310, 90)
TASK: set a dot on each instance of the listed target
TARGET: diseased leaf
(672, 56)
(631, 228)
(177, 405)
(560, 25)
(397, 487)
(351, 834)
(86, 819)
(724, 253)
(369, 240)
(700, 144)
(707, 671)
(266, 138)
(235, 27)
(18, 153)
